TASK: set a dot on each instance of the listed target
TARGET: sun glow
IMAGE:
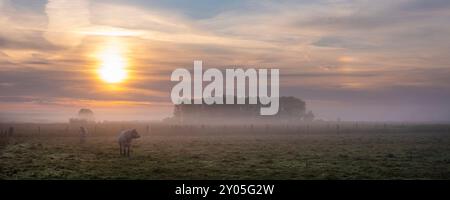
(113, 65)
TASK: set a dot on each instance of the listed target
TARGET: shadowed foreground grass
(231, 156)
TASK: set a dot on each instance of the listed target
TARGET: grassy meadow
(304, 151)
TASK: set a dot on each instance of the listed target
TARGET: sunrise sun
(112, 65)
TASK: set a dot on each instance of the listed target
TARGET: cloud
(65, 20)
(425, 5)
(341, 42)
(31, 41)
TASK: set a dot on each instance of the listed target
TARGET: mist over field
(199, 142)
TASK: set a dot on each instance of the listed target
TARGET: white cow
(125, 138)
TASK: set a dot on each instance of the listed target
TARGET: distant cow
(83, 133)
(125, 138)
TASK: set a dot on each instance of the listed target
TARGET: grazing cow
(125, 138)
(83, 134)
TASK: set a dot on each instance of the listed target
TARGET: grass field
(354, 151)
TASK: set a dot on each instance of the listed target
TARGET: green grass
(229, 155)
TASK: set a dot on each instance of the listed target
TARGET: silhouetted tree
(291, 109)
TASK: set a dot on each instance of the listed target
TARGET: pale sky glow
(353, 59)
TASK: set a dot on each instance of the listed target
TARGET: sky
(350, 59)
